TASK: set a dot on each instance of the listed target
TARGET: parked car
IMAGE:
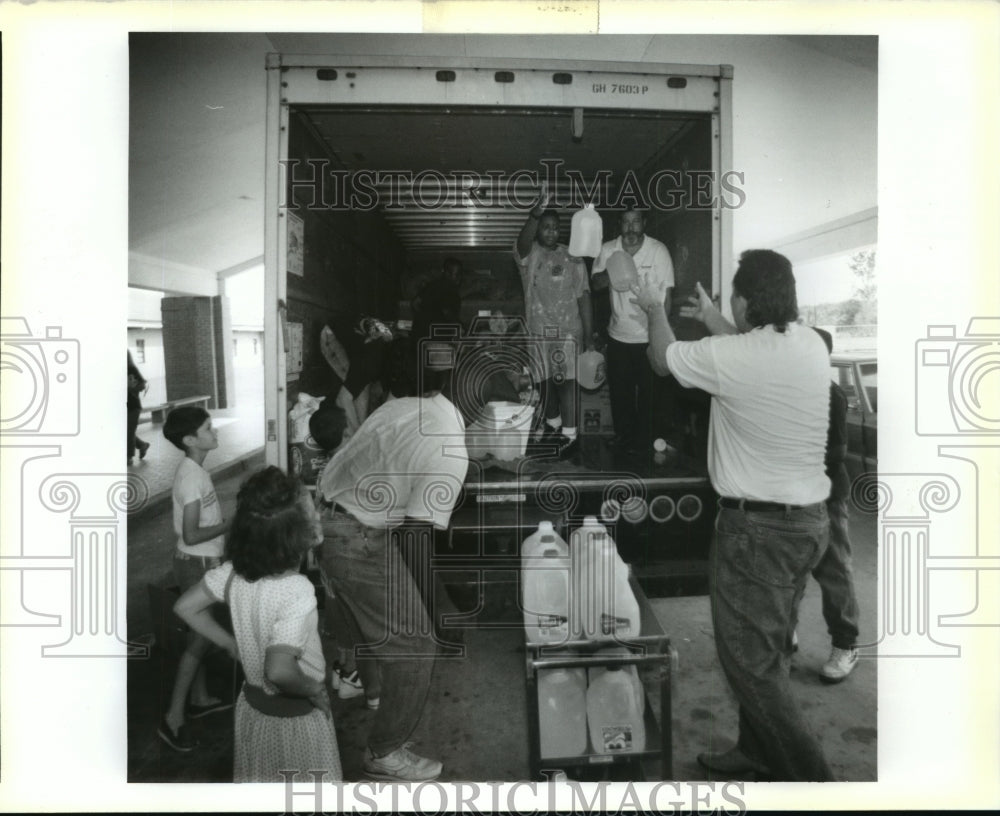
(857, 373)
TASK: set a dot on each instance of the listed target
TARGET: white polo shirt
(770, 409)
(629, 323)
(408, 460)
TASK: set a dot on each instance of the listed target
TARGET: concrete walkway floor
(475, 719)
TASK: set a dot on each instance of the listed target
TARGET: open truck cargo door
(379, 168)
(490, 122)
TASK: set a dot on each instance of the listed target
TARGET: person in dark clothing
(133, 407)
(437, 304)
(834, 573)
(439, 301)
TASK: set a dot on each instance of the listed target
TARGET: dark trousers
(387, 624)
(631, 382)
(835, 576)
(416, 548)
(132, 423)
(757, 574)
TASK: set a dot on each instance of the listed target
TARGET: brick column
(223, 335)
(189, 347)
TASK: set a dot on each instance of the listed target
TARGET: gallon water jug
(622, 272)
(562, 712)
(545, 570)
(591, 371)
(603, 604)
(630, 669)
(585, 233)
(614, 716)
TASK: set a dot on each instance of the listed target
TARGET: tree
(862, 308)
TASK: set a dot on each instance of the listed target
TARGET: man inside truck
(439, 301)
(769, 381)
(631, 381)
(559, 319)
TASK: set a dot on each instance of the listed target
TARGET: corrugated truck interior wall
(352, 263)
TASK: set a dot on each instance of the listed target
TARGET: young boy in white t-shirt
(200, 528)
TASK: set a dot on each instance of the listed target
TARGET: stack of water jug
(581, 592)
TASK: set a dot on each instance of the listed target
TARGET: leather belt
(754, 506)
(276, 705)
(339, 508)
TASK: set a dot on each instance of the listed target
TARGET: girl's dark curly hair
(764, 278)
(270, 532)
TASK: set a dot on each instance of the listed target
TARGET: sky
(825, 280)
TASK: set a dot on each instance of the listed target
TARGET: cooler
(501, 431)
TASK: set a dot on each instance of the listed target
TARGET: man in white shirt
(397, 478)
(769, 381)
(630, 378)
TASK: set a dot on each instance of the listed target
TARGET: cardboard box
(502, 431)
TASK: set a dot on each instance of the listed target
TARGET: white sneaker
(402, 765)
(349, 685)
(840, 664)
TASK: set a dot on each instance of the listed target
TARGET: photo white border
(64, 250)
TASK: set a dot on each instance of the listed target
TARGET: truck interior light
(445, 76)
(562, 78)
(326, 74)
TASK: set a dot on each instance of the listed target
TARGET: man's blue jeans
(388, 624)
(759, 566)
(835, 577)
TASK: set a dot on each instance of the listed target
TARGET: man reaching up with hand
(769, 381)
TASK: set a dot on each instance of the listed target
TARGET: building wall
(189, 343)
(146, 345)
(247, 350)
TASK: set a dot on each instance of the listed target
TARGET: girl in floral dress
(283, 719)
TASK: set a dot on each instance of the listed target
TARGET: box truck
(380, 168)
